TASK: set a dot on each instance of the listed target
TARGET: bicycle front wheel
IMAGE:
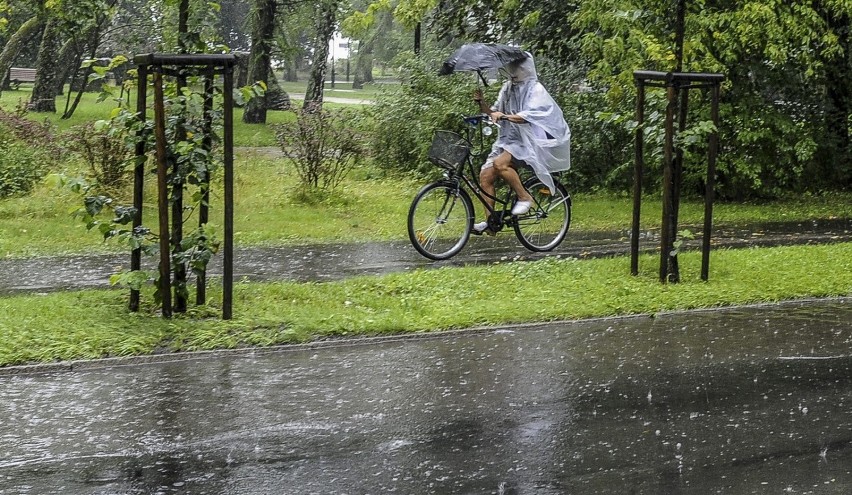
(547, 222)
(439, 220)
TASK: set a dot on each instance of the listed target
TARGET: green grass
(90, 110)
(368, 207)
(266, 212)
(95, 323)
(372, 206)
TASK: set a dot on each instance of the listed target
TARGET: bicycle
(441, 216)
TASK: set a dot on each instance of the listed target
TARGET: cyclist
(544, 144)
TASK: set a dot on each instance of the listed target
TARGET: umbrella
(481, 56)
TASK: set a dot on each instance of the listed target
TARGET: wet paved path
(331, 262)
(747, 400)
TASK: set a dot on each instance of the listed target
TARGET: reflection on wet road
(750, 400)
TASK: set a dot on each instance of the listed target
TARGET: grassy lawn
(372, 205)
(90, 110)
(369, 206)
(95, 323)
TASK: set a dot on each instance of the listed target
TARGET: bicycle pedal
(487, 231)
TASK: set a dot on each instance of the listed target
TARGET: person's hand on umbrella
(477, 97)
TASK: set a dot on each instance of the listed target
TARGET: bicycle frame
(438, 230)
(499, 216)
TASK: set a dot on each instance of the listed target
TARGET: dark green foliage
(21, 166)
(785, 114)
(406, 117)
(27, 150)
(601, 152)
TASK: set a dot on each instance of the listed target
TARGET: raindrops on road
(745, 400)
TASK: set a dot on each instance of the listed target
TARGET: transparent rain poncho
(544, 143)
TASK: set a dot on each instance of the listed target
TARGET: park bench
(18, 75)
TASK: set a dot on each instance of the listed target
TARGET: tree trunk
(291, 73)
(17, 42)
(364, 63)
(44, 89)
(839, 100)
(325, 31)
(276, 97)
(417, 37)
(70, 59)
(242, 69)
(93, 36)
(263, 30)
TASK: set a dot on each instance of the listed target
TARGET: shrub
(107, 156)
(406, 117)
(323, 146)
(21, 166)
(40, 134)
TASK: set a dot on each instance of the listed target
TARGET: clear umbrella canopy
(481, 56)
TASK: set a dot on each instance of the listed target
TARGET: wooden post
(204, 207)
(177, 220)
(677, 181)
(673, 165)
(139, 177)
(162, 194)
(161, 64)
(710, 185)
(666, 235)
(637, 176)
(228, 261)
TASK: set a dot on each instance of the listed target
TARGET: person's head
(521, 70)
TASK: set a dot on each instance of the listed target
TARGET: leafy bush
(27, 150)
(106, 155)
(21, 166)
(406, 117)
(323, 146)
(40, 134)
(601, 144)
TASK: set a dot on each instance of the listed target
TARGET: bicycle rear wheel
(547, 222)
(439, 220)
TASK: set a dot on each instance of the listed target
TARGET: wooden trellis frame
(676, 84)
(208, 66)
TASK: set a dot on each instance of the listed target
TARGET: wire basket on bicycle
(448, 150)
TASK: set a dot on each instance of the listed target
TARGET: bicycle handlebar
(486, 118)
(476, 119)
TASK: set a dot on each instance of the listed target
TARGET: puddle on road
(337, 261)
(735, 401)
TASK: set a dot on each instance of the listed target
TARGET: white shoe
(479, 228)
(521, 207)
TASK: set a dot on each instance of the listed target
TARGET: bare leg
(487, 176)
(503, 167)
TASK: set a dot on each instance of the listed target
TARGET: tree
(26, 32)
(47, 72)
(380, 38)
(74, 24)
(782, 60)
(234, 27)
(262, 39)
(409, 13)
(326, 20)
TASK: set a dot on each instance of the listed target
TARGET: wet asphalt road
(335, 261)
(746, 400)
